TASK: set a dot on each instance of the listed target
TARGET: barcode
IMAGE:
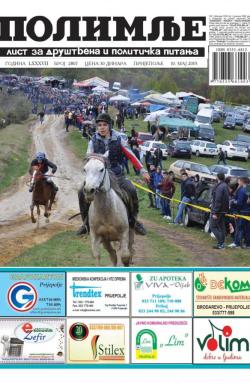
(229, 67)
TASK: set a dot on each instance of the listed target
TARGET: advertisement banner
(33, 294)
(222, 294)
(98, 341)
(162, 340)
(162, 294)
(98, 294)
(221, 341)
(34, 340)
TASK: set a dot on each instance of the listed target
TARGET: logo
(35, 332)
(94, 346)
(146, 345)
(79, 331)
(90, 292)
(104, 352)
(161, 282)
(234, 286)
(22, 296)
(200, 283)
(225, 341)
(139, 282)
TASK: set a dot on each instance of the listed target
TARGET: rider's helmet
(40, 156)
(104, 117)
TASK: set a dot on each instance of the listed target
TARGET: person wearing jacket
(167, 189)
(187, 192)
(151, 186)
(158, 156)
(241, 204)
(157, 180)
(219, 208)
(43, 164)
(109, 143)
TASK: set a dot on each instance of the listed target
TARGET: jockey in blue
(109, 143)
(43, 165)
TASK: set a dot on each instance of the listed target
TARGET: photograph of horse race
(123, 167)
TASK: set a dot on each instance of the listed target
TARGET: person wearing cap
(43, 165)
(109, 143)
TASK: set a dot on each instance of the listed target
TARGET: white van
(204, 116)
(204, 106)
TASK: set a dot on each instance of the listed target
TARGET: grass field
(165, 244)
(15, 141)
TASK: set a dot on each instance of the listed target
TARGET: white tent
(119, 98)
(184, 94)
(169, 95)
(100, 89)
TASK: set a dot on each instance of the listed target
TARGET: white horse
(108, 218)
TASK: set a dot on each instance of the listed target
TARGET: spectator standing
(151, 186)
(157, 180)
(136, 151)
(167, 189)
(242, 205)
(158, 155)
(149, 160)
(219, 208)
(187, 192)
(222, 157)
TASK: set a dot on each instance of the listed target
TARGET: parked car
(143, 137)
(216, 116)
(239, 119)
(205, 132)
(243, 138)
(229, 171)
(193, 215)
(152, 145)
(201, 147)
(246, 126)
(180, 149)
(229, 122)
(233, 150)
(192, 169)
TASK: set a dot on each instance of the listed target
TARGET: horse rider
(109, 143)
(43, 165)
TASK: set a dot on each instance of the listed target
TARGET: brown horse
(43, 194)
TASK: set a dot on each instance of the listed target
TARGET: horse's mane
(113, 179)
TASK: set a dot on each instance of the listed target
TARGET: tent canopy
(169, 95)
(92, 82)
(119, 98)
(175, 122)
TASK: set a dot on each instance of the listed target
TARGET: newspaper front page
(125, 190)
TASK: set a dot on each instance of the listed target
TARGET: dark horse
(43, 194)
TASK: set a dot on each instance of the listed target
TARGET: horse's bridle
(100, 158)
(102, 182)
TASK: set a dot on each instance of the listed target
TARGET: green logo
(200, 283)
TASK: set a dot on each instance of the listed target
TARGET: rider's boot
(138, 226)
(84, 209)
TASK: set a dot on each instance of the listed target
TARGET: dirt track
(16, 230)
